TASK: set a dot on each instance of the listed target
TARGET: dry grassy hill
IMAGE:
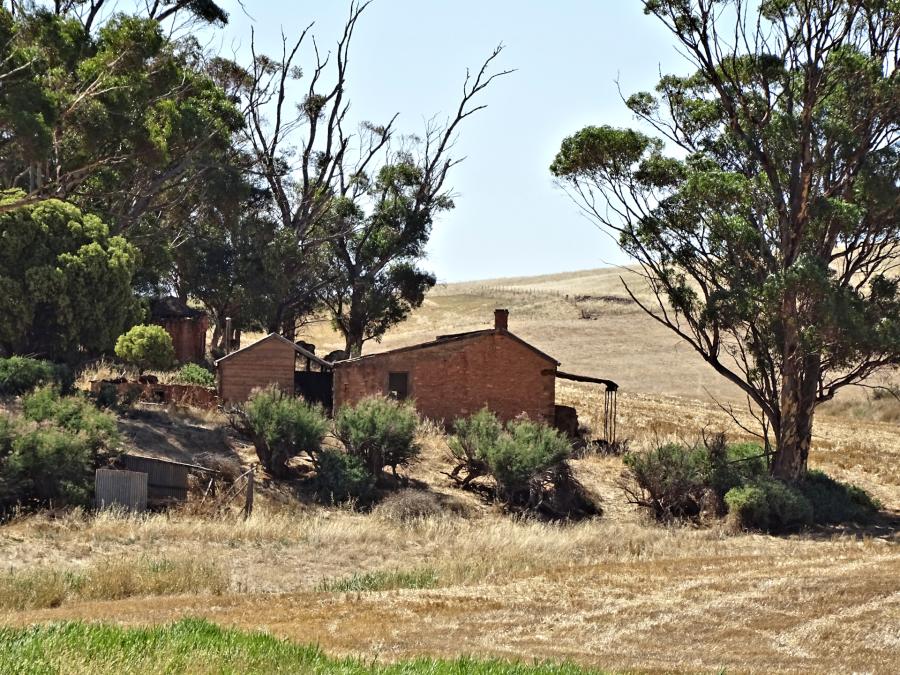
(584, 319)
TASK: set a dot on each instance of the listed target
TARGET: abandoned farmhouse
(448, 377)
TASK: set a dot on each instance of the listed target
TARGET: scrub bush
(77, 415)
(45, 466)
(341, 477)
(283, 427)
(836, 502)
(19, 374)
(527, 460)
(768, 505)
(380, 431)
(192, 373)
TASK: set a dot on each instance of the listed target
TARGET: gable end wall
(268, 362)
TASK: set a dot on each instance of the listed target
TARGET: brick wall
(269, 361)
(188, 337)
(459, 377)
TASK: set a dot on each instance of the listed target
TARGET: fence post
(248, 502)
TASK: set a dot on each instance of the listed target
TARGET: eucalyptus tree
(108, 111)
(764, 205)
(315, 165)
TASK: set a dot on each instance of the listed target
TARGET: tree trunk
(353, 345)
(794, 433)
(353, 329)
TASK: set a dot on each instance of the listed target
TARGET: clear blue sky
(410, 56)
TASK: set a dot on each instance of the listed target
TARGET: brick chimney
(501, 320)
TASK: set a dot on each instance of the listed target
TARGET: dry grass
(108, 579)
(437, 571)
(613, 592)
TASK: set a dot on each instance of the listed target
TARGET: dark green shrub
(282, 427)
(7, 435)
(341, 477)
(380, 431)
(768, 505)
(471, 442)
(19, 374)
(45, 466)
(680, 481)
(76, 415)
(527, 461)
(108, 396)
(146, 347)
(836, 502)
(192, 373)
(526, 450)
(672, 480)
(734, 464)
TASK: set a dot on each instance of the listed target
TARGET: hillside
(584, 319)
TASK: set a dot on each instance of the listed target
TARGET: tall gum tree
(764, 207)
(333, 183)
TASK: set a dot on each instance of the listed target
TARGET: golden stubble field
(616, 592)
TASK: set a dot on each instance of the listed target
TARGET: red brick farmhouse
(457, 375)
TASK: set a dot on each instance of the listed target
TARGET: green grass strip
(198, 646)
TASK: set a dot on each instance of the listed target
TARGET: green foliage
(679, 481)
(44, 466)
(472, 442)
(380, 431)
(75, 414)
(836, 502)
(177, 648)
(19, 374)
(375, 282)
(146, 347)
(192, 373)
(53, 263)
(108, 396)
(341, 477)
(525, 451)
(389, 580)
(49, 455)
(757, 230)
(734, 464)
(283, 427)
(671, 480)
(117, 110)
(770, 505)
(527, 461)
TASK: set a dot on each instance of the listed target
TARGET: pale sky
(410, 56)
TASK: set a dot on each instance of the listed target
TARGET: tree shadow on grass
(885, 525)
